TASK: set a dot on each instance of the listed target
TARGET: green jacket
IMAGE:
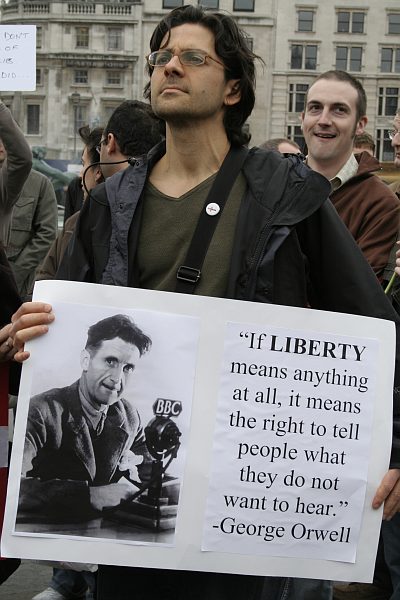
(14, 170)
(33, 229)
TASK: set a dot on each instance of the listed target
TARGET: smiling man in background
(334, 114)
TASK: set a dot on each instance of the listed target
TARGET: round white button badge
(212, 209)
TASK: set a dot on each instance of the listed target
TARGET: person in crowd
(278, 239)
(282, 145)
(364, 142)
(92, 176)
(33, 229)
(9, 380)
(73, 198)
(14, 170)
(395, 139)
(130, 132)
(108, 155)
(393, 287)
(334, 114)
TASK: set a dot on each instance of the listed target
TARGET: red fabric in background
(3, 422)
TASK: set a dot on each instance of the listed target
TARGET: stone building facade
(91, 56)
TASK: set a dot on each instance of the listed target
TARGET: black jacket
(290, 245)
(10, 302)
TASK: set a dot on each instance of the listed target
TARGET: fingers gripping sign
(31, 320)
(388, 493)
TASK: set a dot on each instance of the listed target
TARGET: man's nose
(116, 374)
(396, 139)
(174, 65)
(325, 116)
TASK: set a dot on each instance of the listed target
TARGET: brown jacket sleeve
(49, 266)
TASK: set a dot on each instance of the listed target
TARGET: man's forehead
(332, 91)
(117, 344)
(188, 35)
(396, 121)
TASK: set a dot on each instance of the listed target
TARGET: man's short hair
(364, 140)
(232, 47)
(91, 138)
(117, 326)
(361, 105)
(135, 127)
(274, 143)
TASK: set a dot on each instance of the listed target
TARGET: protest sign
(285, 434)
(17, 57)
(293, 428)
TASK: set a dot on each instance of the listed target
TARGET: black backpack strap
(188, 274)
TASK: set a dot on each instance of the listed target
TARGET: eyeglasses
(98, 148)
(392, 133)
(188, 58)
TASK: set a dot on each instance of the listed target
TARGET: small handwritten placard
(17, 57)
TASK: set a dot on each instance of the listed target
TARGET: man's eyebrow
(341, 105)
(333, 105)
(190, 49)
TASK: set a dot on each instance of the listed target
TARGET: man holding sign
(203, 214)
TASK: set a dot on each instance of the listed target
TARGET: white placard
(347, 345)
(17, 57)
(293, 428)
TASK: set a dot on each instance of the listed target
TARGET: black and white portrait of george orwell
(85, 453)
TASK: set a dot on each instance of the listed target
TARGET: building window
(115, 38)
(394, 23)
(303, 56)
(39, 36)
(348, 59)
(305, 20)
(80, 116)
(350, 22)
(245, 5)
(384, 150)
(82, 37)
(108, 111)
(114, 78)
(172, 3)
(390, 60)
(81, 76)
(209, 3)
(39, 76)
(295, 133)
(297, 97)
(250, 43)
(33, 119)
(388, 101)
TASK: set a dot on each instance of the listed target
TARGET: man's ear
(361, 125)
(301, 119)
(233, 93)
(98, 175)
(85, 359)
(111, 145)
